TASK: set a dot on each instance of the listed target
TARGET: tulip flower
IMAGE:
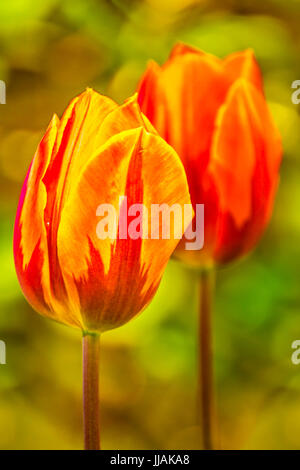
(97, 153)
(214, 114)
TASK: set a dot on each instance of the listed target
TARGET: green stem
(206, 393)
(90, 356)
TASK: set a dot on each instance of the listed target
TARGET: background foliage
(49, 52)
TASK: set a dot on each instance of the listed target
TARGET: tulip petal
(77, 139)
(30, 238)
(244, 65)
(181, 48)
(151, 97)
(125, 117)
(246, 151)
(112, 280)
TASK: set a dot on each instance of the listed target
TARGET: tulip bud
(98, 154)
(214, 114)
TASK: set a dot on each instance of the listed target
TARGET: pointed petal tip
(180, 48)
(131, 101)
(55, 119)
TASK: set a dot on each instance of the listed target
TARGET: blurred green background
(49, 52)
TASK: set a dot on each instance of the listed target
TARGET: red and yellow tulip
(97, 152)
(214, 114)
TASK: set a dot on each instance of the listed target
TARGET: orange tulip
(214, 114)
(97, 152)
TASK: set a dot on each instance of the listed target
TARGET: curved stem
(206, 393)
(90, 357)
